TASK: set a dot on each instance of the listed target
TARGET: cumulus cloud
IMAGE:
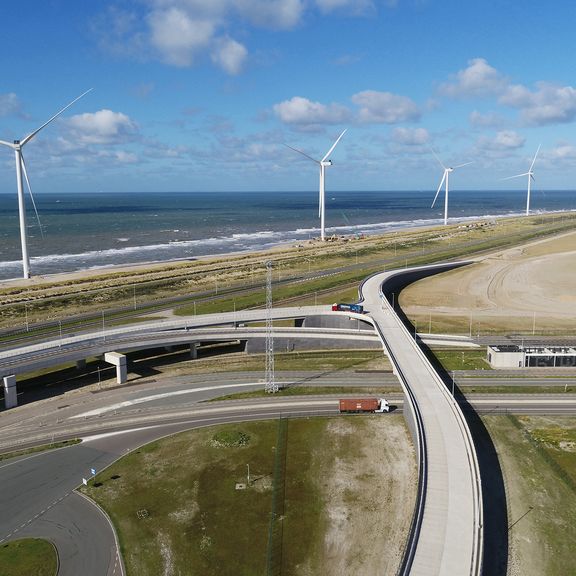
(229, 55)
(504, 140)
(411, 136)
(9, 104)
(547, 104)
(488, 120)
(477, 79)
(385, 107)
(270, 13)
(178, 37)
(102, 127)
(301, 111)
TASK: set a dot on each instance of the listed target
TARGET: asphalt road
(37, 495)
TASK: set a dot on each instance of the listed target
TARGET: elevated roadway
(447, 537)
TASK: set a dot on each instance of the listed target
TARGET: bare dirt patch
(530, 287)
(369, 498)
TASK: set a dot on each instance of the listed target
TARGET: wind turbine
(445, 177)
(323, 163)
(17, 146)
(530, 175)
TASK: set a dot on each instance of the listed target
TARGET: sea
(93, 230)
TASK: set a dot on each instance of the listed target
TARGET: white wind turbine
(17, 146)
(530, 175)
(445, 177)
(322, 163)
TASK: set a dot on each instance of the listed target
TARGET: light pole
(134, 295)
(452, 384)
(60, 332)
(26, 316)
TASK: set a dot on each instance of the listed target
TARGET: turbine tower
(530, 175)
(323, 163)
(445, 178)
(17, 146)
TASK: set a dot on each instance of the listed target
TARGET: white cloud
(301, 111)
(9, 104)
(411, 136)
(477, 79)
(504, 140)
(178, 37)
(488, 120)
(548, 104)
(102, 127)
(385, 107)
(229, 55)
(355, 7)
(270, 13)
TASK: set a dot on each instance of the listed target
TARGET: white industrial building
(513, 356)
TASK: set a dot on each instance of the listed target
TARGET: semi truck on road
(358, 405)
(358, 308)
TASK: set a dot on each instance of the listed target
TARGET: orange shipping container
(359, 405)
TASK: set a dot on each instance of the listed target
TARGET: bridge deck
(450, 540)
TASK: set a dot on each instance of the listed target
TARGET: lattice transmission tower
(270, 384)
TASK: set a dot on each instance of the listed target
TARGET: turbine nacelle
(21, 172)
(323, 163)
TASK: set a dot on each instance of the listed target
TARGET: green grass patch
(539, 462)
(472, 389)
(462, 359)
(36, 449)
(177, 508)
(28, 557)
(311, 391)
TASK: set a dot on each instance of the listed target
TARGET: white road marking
(144, 399)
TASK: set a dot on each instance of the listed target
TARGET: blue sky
(200, 95)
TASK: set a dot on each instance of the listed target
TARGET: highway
(38, 492)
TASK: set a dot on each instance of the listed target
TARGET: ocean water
(101, 229)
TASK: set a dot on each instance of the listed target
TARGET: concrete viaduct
(446, 536)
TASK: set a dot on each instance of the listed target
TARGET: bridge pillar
(10, 398)
(194, 350)
(118, 360)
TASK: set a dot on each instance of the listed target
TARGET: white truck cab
(383, 406)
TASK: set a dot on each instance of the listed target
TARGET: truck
(359, 405)
(341, 307)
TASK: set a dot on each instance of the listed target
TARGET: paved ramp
(447, 529)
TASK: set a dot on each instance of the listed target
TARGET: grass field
(28, 557)
(538, 457)
(177, 509)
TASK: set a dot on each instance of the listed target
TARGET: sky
(203, 95)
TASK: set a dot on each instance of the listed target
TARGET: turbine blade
(303, 153)
(535, 156)
(32, 134)
(460, 165)
(334, 145)
(439, 188)
(7, 144)
(532, 176)
(31, 195)
(436, 156)
(515, 176)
